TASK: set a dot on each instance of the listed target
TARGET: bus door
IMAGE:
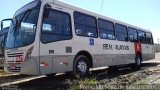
(56, 40)
(147, 47)
(145, 51)
(150, 54)
(153, 51)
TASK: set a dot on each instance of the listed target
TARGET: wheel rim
(82, 66)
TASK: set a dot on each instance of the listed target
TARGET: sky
(141, 13)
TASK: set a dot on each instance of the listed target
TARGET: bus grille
(15, 54)
(14, 57)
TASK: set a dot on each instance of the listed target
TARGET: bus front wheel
(81, 67)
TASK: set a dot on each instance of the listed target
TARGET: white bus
(50, 36)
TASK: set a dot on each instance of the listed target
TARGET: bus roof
(66, 5)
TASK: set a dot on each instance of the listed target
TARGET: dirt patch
(6, 77)
(138, 77)
(120, 77)
(3, 73)
(124, 76)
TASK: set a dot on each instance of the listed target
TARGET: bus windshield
(23, 26)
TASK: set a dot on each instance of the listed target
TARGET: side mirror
(46, 11)
(1, 25)
(9, 19)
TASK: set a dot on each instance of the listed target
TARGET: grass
(83, 83)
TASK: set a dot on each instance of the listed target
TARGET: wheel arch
(87, 54)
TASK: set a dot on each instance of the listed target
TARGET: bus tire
(113, 67)
(50, 75)
(81, 66)
(138, 61)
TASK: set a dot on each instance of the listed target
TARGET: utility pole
(102, 7)
(158, 40)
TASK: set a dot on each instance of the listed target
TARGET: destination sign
(115, 47)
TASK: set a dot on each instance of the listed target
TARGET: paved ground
(149, 74)
(157, 56)
(157, 59)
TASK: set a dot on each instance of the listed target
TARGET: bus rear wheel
(113, 68)
(50, 75)
(81, 67)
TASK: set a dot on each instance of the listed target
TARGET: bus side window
(106, 29)
(149, 38)
(142, 36)
(85, 25)
(132, 34)
(121, 32)
(56, 26)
